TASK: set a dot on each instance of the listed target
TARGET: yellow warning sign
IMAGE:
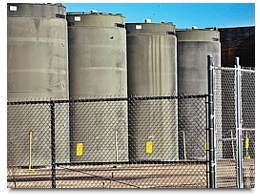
(206, 146)
(79, 149)
(149, 147)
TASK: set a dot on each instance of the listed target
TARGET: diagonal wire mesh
(24, 120)
(108, 143)
(226, 131)
(192, 128)
(248, 126)
(101, 127)
(153, 129)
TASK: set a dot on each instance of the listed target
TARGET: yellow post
(184, 144)
(30, 154)
(247, 146)
(232, 142)
(116, 144)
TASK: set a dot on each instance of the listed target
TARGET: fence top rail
(233, 68)
(129, 98)
(248, 70)
(225, 68)
(248, 129)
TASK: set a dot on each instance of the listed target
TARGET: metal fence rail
(134, 142)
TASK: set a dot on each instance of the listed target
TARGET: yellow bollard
(30, 154)
(247, 146)
(116, 144)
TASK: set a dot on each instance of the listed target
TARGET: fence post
(238, 105)
(53, 154)
(212, 176)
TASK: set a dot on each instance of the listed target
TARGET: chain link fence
(248, 125)
(226, 132)
(135, 142)
(234, 89)
(188, 141)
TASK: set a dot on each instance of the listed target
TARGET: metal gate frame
(213, 130)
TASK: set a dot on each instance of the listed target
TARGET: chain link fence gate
(234, 126)
(135, 142)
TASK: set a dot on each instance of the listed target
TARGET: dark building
(237, 42)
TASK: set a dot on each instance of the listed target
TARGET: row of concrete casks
(106, 58)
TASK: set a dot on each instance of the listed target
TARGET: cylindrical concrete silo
(37, 69)
(97, 61)
(193, 47)
(152, 71)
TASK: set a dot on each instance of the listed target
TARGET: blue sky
(183, 15)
